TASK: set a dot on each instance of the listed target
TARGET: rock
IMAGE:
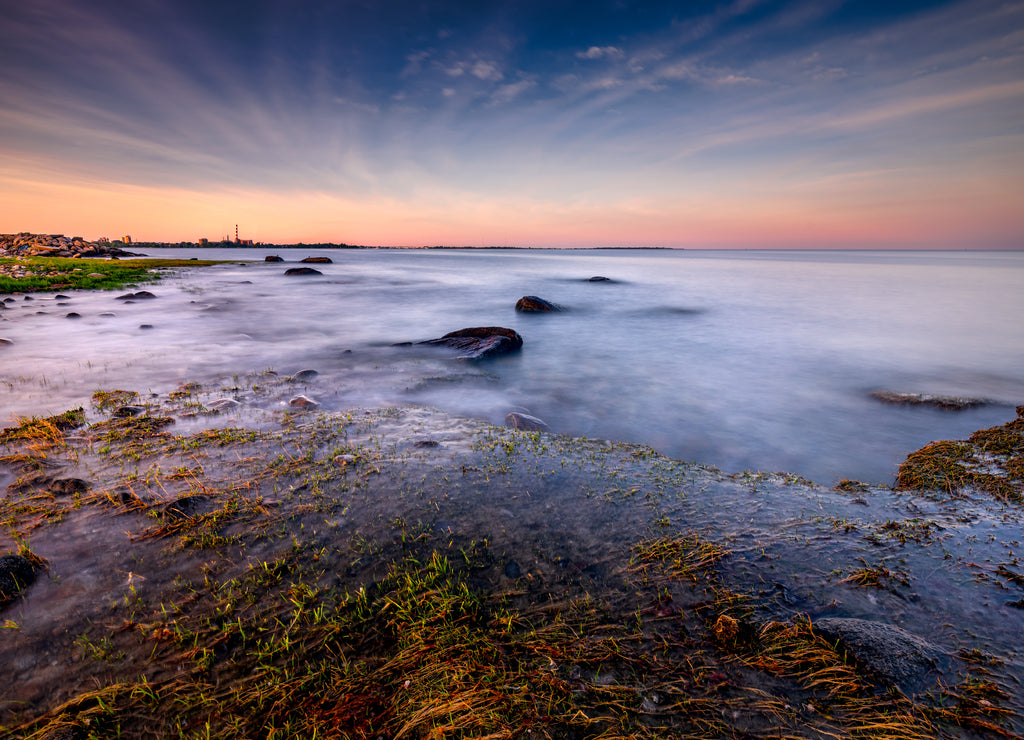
(68, 487)
(223, 404)
(891, 654)
(303, 375)
(481, 342)
(512, 569)
(142, 295)
(16, 574)
(187, 507)
(96, 275)
(343, 460)
(126, 411)
(4, 341)
(28, 298)
(303, 402)
(72, 315)
(272, 258)
(599, 279)
(525, 422)
(318, 260)
(145, 326)
(108, 314)
(426, 443)
(534, 304)
(948, 403)
(302, 271)
(62, 297)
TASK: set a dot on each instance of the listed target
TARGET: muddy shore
(268, 571)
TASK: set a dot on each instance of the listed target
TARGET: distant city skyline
(743, 124)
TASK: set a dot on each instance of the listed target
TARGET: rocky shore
(25, 244)
(401, 572)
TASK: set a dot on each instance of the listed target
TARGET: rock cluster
(25, 244)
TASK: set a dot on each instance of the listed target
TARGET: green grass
(51, 274)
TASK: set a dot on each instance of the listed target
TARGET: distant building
(126, 239)
(203, 241)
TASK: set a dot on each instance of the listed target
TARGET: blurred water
(744, 360)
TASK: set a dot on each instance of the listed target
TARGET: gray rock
(318, 260)
(142, 295)
(948, 403)
(891, 654)
(303, 402)
(223, 404)
(272, 258)
(16, 574)
(72, 315)
(303, 375)
(302, 271)
(599, 279)
(128, 410)
(535, 304)
(525, 422)
(480, 342)
(4, 341)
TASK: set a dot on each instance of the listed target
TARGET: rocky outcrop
(535, 304)
(16, 574)
(892, 655)
(525, 422)
(25, 244)
(478, 343)
(302, 271)
(948, 403)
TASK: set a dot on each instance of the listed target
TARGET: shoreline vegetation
(222, 561)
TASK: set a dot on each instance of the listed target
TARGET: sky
(743, 124)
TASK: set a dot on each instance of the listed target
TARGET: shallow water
(744, 360)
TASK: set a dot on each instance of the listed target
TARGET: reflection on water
(745, 360)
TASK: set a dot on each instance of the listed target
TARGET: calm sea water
(744, 360)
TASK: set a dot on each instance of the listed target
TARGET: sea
(744, 360)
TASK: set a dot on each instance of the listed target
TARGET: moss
(43, 274)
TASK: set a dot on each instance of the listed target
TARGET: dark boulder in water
(599, 279)
(273, 258)
(16, 573)
(142, 295)
(525, 422)
(302, 271)
(535, 304)
(318, 260)
(480, 342)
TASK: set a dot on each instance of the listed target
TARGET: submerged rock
(142, 295)
(303, 375)
(535, 304)
(480, 342)
(891, 654)
(302, 271)
(68, 487)
(303, 402)
(16, 574)
(949, 403)
(272, 258)
(599, 279)
(318, 260)
(188, 507)
(525, 422)
(223, 404)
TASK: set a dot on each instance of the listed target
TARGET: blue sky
(746, 124)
